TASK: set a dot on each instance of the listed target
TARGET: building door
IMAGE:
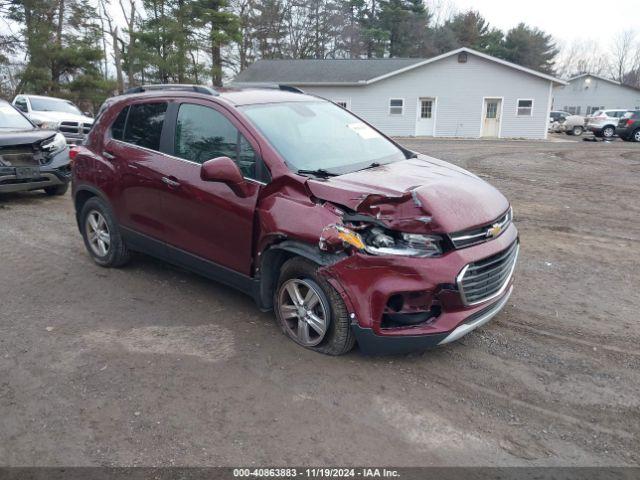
(491, 117)
(425, 124)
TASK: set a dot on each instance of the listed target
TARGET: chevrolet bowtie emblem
(494, 230)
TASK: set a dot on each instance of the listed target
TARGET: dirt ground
(151, 365)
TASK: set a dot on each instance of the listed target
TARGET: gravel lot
(150, 365)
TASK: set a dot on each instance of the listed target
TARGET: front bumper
(368, 283)
(56, 172)
(370, 343)
(73, 138)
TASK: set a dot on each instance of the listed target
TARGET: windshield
(318, 135)
(53, 105)
(11, 119)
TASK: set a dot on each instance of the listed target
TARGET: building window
(576, 110)
(525, 108)
(426, 108)
(342, 103)
(396, 106)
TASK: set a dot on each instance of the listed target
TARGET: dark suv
(629, 126)
(292, 199)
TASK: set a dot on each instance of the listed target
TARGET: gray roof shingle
(322, 71)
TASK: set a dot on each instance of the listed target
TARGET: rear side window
(117, 128)
(203, 133)
(144, 125)
(21, 104)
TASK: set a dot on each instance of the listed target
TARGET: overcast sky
(566, 20)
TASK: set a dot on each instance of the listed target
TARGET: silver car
(55, 114)
(603, 122)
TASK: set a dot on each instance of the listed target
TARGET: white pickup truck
(55, 114)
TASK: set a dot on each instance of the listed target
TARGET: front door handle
(170, 182)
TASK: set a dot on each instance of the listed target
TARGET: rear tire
(101, 234)
(56, 190)
(635, 136)
(337, 338)
(577, 130)
(608, 132)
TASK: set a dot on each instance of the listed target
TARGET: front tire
(608, 132)
(577, 130)
(635, 136)
(310, 311)
(101, 234)
(57, 189)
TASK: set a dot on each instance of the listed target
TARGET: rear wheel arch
(82, 195)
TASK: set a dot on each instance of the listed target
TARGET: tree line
(90, 49)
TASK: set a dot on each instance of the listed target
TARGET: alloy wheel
(636, 136)
(303, 311)
(98, 233)
(608, 132)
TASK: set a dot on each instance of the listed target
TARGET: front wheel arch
(274, 256)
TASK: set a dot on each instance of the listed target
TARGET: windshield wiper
(319, 172)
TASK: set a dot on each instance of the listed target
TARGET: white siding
(599, 93)
(459, 89)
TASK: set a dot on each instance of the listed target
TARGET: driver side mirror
(224, 170)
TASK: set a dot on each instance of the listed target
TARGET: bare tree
(622, 53)
(581, 56)
(112, 30)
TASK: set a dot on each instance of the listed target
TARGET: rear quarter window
(144, 125)
(117, 127)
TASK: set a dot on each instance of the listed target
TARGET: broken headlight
(57, 144)
(381, 242)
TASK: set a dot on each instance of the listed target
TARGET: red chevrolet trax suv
(346, 235)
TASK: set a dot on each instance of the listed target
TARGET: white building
(462, 93)
(587, 93)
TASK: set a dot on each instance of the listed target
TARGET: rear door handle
(108, 156)
(170, 182)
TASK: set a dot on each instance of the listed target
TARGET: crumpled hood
(10, 138)
(416, 195)
(59, 117)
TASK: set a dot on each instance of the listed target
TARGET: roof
(355, 72)
(336, 71)
(604, 79)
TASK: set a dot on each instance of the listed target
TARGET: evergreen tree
(529, 47)
(61, 40)
(405, 24)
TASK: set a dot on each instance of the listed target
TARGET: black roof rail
(270, 85)
(173, 86)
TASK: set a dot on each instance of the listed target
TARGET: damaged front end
(399, 275)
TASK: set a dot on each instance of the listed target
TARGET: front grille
(69, 127)
(86, 127)
(474, 236)
(487, 278)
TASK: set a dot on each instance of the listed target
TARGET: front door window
(426, 108)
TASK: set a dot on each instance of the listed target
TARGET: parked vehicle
(567, 123)
(629, 126)
(558, 116)
(31, 158)
(56, 114)
(346, 234)
(603, 122)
